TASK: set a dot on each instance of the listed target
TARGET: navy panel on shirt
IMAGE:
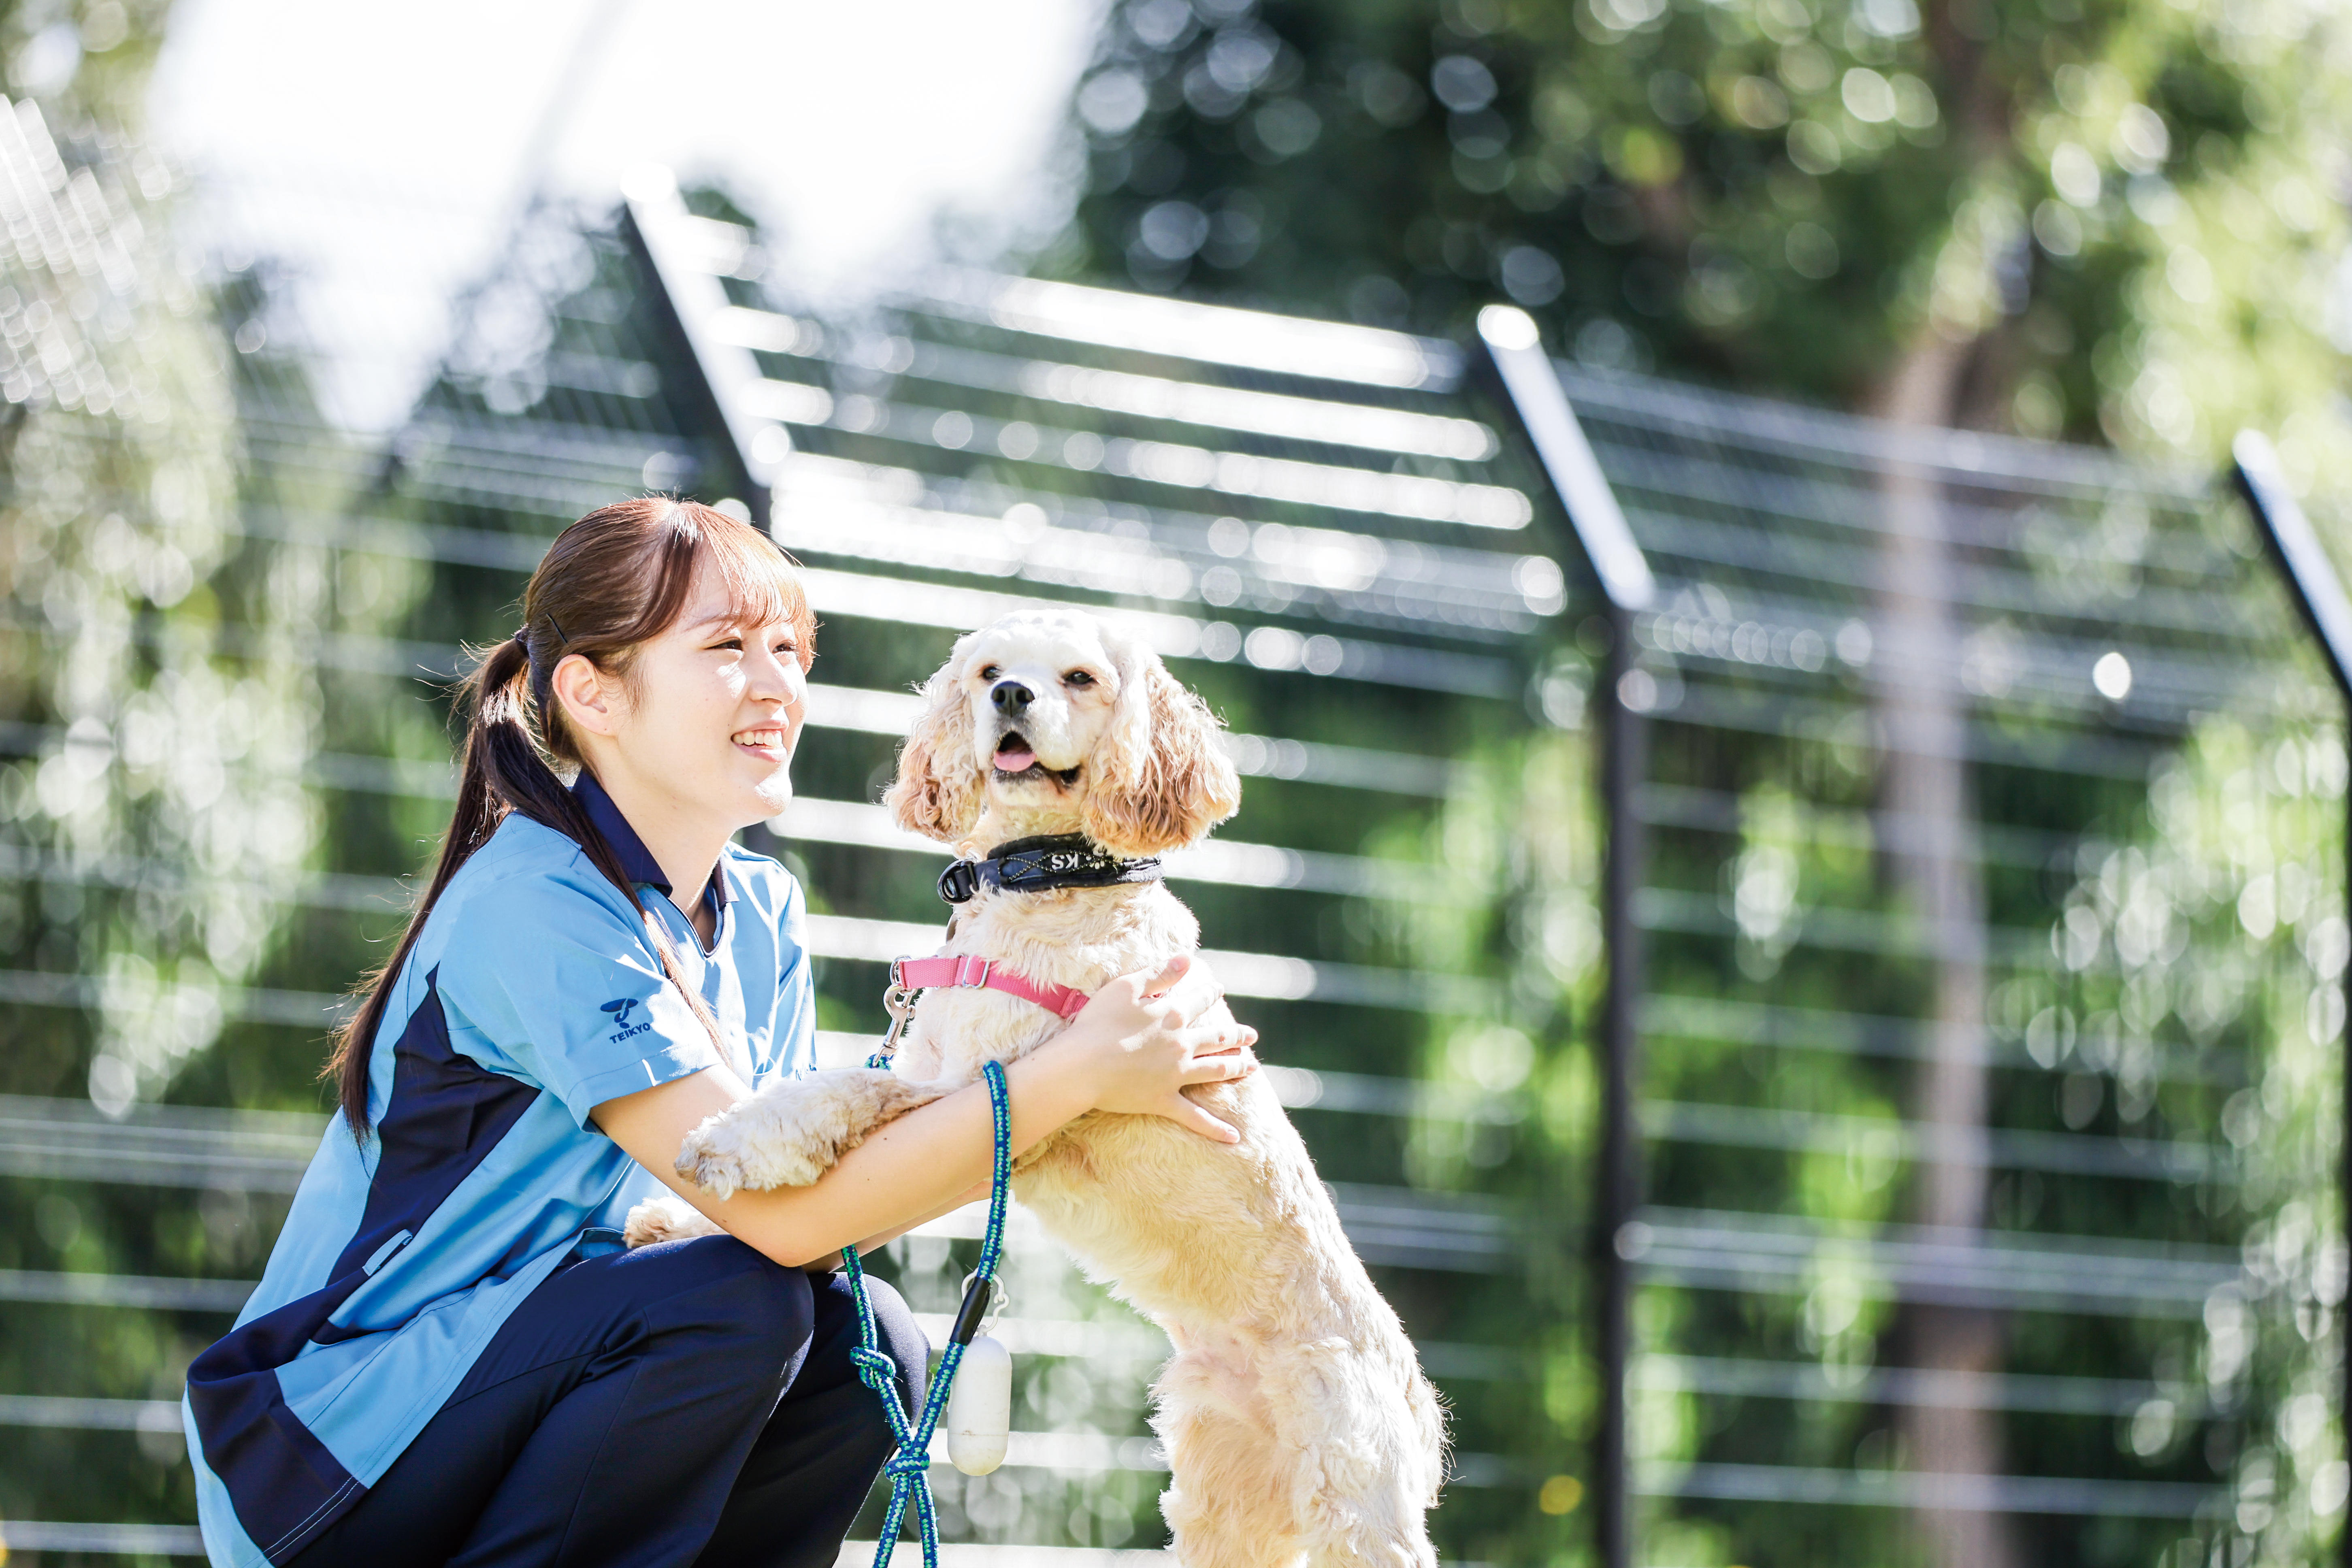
(445, 1117)
(285, 1483)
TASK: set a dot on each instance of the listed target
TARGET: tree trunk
(1923, 717)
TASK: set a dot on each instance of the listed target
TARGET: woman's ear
(939, 791)
(1160, 776)
(589, 702)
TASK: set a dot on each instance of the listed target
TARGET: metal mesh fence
(1990, 918)
(1989, 914)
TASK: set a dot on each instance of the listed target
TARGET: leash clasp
(900, 1001)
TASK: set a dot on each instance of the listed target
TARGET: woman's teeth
(772, 739)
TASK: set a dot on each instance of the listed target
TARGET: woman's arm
(976, 1193)
(1130, 1051)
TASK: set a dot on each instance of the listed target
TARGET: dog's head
(1058, 725)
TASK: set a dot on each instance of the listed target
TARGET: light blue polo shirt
(534, 995)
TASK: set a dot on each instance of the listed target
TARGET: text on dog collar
(1041, 864)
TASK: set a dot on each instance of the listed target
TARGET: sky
(377, 156)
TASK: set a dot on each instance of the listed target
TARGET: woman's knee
(750, 1302)
(782, 1308)
(896, 1334)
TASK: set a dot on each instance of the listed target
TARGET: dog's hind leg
(792, 1131)
(1229, 1505)
(1361, 1470)
(1383, 1529)
(665, 1218)
(1227, 1509)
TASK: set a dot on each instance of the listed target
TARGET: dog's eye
(988, 672)
(1077, 677)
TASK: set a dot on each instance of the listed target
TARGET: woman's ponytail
(490, 696)
(617, 577)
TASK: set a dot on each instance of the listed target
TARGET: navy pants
(686, 1403)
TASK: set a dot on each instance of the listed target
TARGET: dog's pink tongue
(1014, 761)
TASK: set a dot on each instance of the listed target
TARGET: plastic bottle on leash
(980, 1409)
(979, 1402)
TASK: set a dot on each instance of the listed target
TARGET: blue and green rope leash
(909, 1467)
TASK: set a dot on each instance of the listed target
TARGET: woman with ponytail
(451, 1357)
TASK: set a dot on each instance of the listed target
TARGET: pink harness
(969, 972)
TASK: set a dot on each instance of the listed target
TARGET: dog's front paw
(665, 1218)
(724, 1156)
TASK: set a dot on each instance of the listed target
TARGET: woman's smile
(770, 742)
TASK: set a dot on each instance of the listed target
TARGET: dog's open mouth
(1015, 760)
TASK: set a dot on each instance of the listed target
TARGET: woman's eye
(735, 643)
(1077, 677)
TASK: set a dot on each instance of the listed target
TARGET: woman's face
(708, 717)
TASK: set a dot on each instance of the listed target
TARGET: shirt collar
(637, 861)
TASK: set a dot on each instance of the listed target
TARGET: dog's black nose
(1011, 698)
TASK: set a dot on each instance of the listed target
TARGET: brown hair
(610, 582)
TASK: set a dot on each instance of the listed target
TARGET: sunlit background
(384, 167)
(1977, 787)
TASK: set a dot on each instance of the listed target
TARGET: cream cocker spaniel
(1296, 1418)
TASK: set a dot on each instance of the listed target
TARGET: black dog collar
(1041, 864)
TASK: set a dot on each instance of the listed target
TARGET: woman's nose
(780, 676)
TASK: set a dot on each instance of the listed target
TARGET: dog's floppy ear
(939, 791)
(1161, 778)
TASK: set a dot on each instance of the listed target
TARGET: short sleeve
(565, 985)
(794, 1048)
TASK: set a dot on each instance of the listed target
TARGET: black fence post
(1615, 1231)
(2319, 595)
(653, 216)
(1531, 386)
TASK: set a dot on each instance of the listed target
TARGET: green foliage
(2237, 856)
(2108, 220)
(1508, 1104)
(88, 59)
(2122, 209)
(165, 799)
(161, 708)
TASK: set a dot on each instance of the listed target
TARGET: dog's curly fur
(1297, 1421)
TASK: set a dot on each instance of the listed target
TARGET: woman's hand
(1144, 1037)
